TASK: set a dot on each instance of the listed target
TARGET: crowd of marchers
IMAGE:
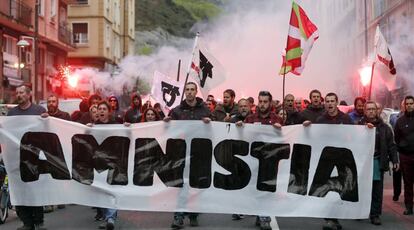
(394, 140)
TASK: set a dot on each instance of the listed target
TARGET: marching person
(32, 217)
(264, 116)
(404, 137)
(358, 113)
(385, 151)
(192, 108)
(104, 117)
(332, 115)
(133, 114)
(315, 109)
(225, 111)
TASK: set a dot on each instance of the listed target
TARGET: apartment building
(20, 26)
(103, 31)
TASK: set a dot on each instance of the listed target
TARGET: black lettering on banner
(150, 158)
(346, 183)
(31, 144)
(111, 155)
(224, 153)
(200, 163)
(172, 90)
(269, 155)
(299, 169)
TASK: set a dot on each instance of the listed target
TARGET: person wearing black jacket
(315, 109)
(192, 108)
(404, 137)
(53, 108)
(385, 151)
(332, 116)
(242, 113)
(133, 114)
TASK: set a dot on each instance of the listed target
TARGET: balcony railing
(66, 35)
(17, 11)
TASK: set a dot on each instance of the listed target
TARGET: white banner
(167, 91)
(316, 171)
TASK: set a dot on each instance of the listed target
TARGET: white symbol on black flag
(206, 69)
(172, 91)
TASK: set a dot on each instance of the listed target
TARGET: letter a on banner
(166, 91)
(206, 70)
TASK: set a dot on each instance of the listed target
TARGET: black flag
(206, 69)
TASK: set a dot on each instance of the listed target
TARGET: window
(107, 36)
(41, 8)
(53, 10)
(83, 2)
(80, 33)
(10, 45)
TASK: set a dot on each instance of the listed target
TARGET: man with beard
(192, 108)
(315, 109)
(32, 217)
(53, 109)
(228, 109)
(133, 114)
(293, 116)
(243, 112)
(264, 116)
(404, 137)
(358, 112)
(385, 151)
(332, 116)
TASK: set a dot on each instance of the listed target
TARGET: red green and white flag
(302, 34)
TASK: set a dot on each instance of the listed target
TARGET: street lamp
(21, 44)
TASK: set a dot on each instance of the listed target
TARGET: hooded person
(117, 114)
(133, 114)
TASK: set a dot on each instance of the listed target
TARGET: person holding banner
(404, 137)
(332, 116)
(133, 114)
(264, 116)
(315, 109)
(385, 151)
(243, 112)
(104, 113)
(32, 217)
(192, 108)
(227, 110)
(151, 115)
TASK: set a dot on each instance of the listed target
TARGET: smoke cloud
(248, 39)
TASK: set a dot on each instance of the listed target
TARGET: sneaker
(193, 221)
(177, 222)
(39, 227)
(264, 225)
(408, 211)
(25, 227)
(110, 224)
(338, 225)
(99, 217)
(102, 225)
(330, 225)
(48, 209)
(237, 216)
(375, 220)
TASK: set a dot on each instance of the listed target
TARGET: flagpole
(178, 71)
(370, 83)
(284, 68)
(189, 64)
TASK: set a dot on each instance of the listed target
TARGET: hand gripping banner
(316, 171)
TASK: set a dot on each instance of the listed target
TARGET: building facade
(396, 20)
(19, 63)
(103, 31)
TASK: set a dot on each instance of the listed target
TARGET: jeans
(377, 197)
(110, 213)
(407, 167)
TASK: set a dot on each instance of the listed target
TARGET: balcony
(66, 35)
(17, 11)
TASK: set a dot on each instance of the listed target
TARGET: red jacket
(269, 120)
